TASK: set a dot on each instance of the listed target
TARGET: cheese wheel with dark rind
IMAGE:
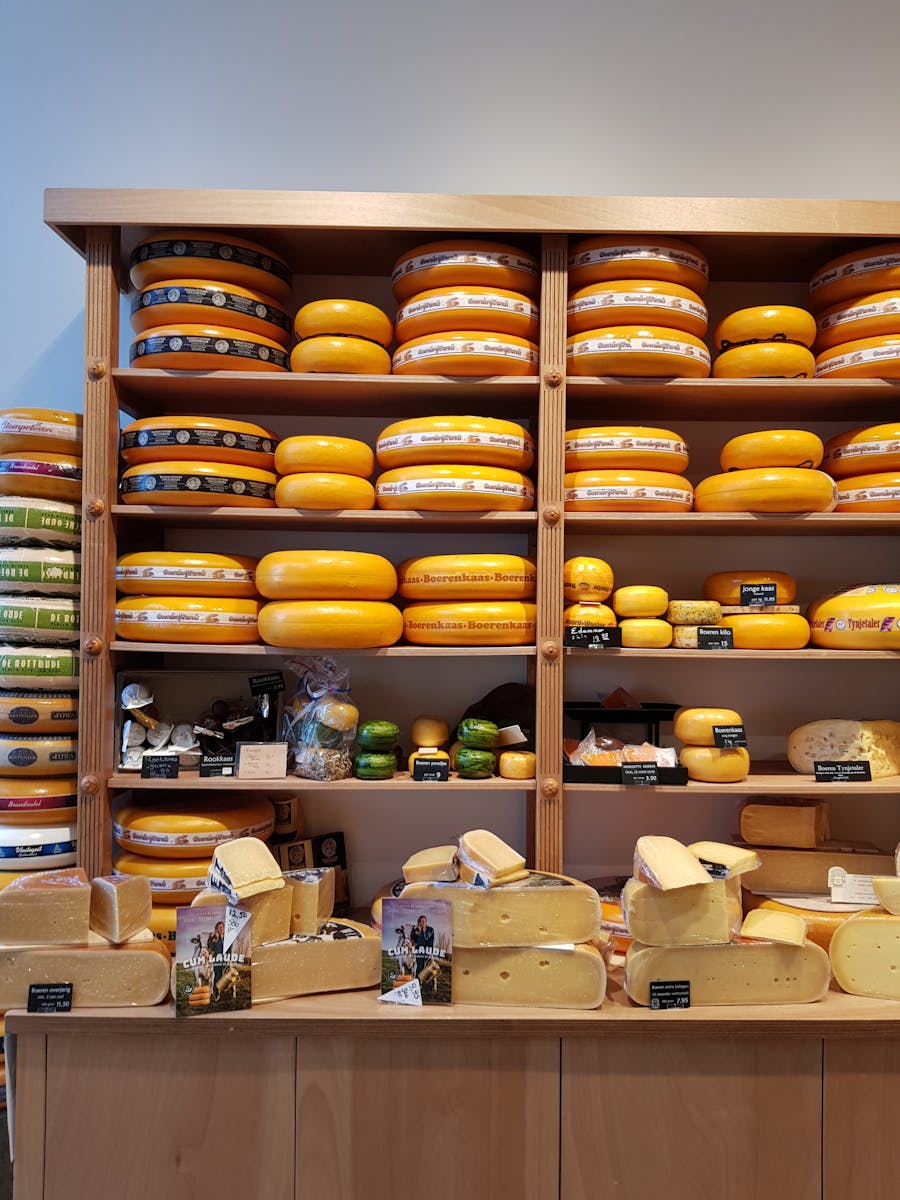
(775, 490)
(768, 631)
(867, 358)
(198, 485)
(51, 430)
(206, 348)
(870, 450)
(623, 256)
(860, 618)
(324, 491)
(180, 573)
(198, 254)
(867, 316)
(462, 261)
(205, 620)
(42, 475)
(325, 575)
(38, 712)
(869, 493)
(475, 623)
(454, 487)
(442, 310)
(766, 323)
(343, 318)
(193, 301)
(625, 448)
(636, 302)
(642, 351)
(772, 448)
(324, 453)
(330, 624)
(765, 360)
(466, 352)
(725, 586)
(200, 439)
(485, 441)
(626, 491)
(466, 576)
(859, 273)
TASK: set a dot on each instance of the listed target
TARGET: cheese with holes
(695, 725)
(192, 301)
(121, 906)
(474, 878)
(626, 491)
(530, 976)
(694, 612)
(343, 955)
(340, 355)
(202, 439)
(181, 573)
(185, 828)
(869, 493)
(709, 764)
(767, 490)
(478, 623)
(454, 487)
(438, 862)
(701, 914)
(443, 309)
(765, 926)
(40, 571)
(324, 452)
(42, 475)
(860, 618)
(29, 519)
(467, 261)
(772, 448)
(38, 667)
(487, 854)
(38, 801)
(197, 484)
(636, 302)
(640, 601)
(767, 631)
(336, 624)
(205, 620)
(242, 868)
(100, 978)
(877, 742)
(171, 882)
(719, 856)
(805, 872)
(467, 576)
(42, 847)
(312, 898)
(665, 863)
(46, 908)
(38, 712)
(39, 620)
(484, 441)
(727, 587)
(865, 955)
(874, 448)
(625, 447)
(642, 351)
(617, 256)
(198, 254)
(41, 754)
(887, 889)
(790, 824)
(325, 575)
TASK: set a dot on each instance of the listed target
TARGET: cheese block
(874, 448)
(476, 623)
(739, 973)
(182, 573)
(196, 254)
(49, 908)
(626, 491)
(869, 493)
(340, 355)
(312, 898)
(450, 487)
(325, 575)
(665, 863)
(162, 925)
(694, 612)
(324, 490)
(864, 954)
(121, 906)
(186, 828)
(537, 910)
(38, 668)
(444, 309)
(205, 620)
(695, 725)
(351, 318)
(485, 441)
(640, 600)
(206, 347)
(342, 956)
(38, 712)
(40, 754)
(636, 302)
(767, 489)
(723, 860)
(822, 918)
(530, 976)
(517, 764)
(333, 624)
(242, 868)
(645, 351)
(467, 576)
(838, 740)
(599, 259)
(700, 914)
(197, 484)
(766, 323)
(708, 764)
(46, 429)
(171, 882)
(436, 863)
(861, 618)
(38, 848)
(100, 978)
(193, 301)
(589, 614)
(768, 631)
(466, 352)
(625, 447)
(465, 261)
(40, 571)
(42, 475)
(772, 448)
(872, 269)
(763, 925)
(726, 586)
(29, 519)
(863, 317)
(645, 633)
(487, 854)
(324, 453)
(200, 439)
(887, 889)
(802, 872)
(38, 801)
(588, 579)
(790, 824)
(38, 620)
(866, 358)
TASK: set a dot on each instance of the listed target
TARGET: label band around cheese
(29, 466)
(621, 345)
(450, 438)
(22, 427)
(225, 439)
(166, 616)
(143, 837)
(220, 485)
(26, 515)
(209, 298)
(492, 487)
(437, 349)
(216, 346)
(631, 444)
(201, 248)
(603, 254)
(464, 257)
(186, 574)
(636, 300)
(623, 492)
(860, 266)
(856, 358)
(461, 301)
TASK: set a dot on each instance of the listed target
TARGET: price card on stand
(593, 637)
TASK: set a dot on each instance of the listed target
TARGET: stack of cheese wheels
(769, 341)
(587, 584)
(40, 578)
(857, 301)
(468, 599)
(859, 618)
(466, 308)
(626, 468)
(318, 471)
(705, 761)
(455, 464)
(641, 609)
(758, 607)
(771, 471)
(208, 302)
(328, 598)
(636, 308)
(866, 465)
(347, 337)
(687, 617)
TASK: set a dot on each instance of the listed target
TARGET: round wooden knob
(550, 650)
(90, 784)
(95, 508)
(96, 368)
(553, 377)
(551, 514)
(550, 787)
(92, 646)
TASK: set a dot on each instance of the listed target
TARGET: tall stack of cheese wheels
(856, 298)
(467, 308)
(704, 760)
(636, 308)
(468, 599)
(346, 337)
(772, 471)
(208, 302)
(757, 625)
(455, 464)
(40, 569)
(325, 473)
(865, 463)
(626, 468)
(769, 341)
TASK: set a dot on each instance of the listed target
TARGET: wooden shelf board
(831, 656)
(402, 782)
(374, 519)
(285, 652)
(720, 524)
(765, 779)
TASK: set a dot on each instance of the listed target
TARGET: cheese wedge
(121, 906)
(805, 872)
(243, 868)
(475, 879)
(438, 863)
(887, 889)
(702, 914)
(342, 956)
(312, 898)
(530, 976)
(487, 854)
(270, 912)
(717, 857)
(46, 908)
(765, 926)
(665, 863)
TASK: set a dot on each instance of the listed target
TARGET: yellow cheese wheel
(464, 261)
(324, 453)
(476, 623)
(869, 493)
(645, 351)
(49, 429)
(517, 764)
(867, 316)
(38, 712)
(163, 924)
(466, 352)
(869, 450)
(485, 441)
(195, 254)
(171, 882)
(587, 613)
(627, 491)
(645, 633)
(467, 577)
(204, 620)
(694, 612)
(37, 800)
(454, 487)
(725, 586)
(766, 323)
(772, 448)
(761, 489)
(330, 624)
(57, 816)
(193, 301)
(867, 358)
(636, 302)
(640, 600)
(587, 579)
(343, 318)
(624, 448)
(27, 519)
(183, 573)
(707, 764)
(196, 484)
(765, 360)
(190, 828)
(324, 491)
(872, 269)
(768, 631)
(202, 439)
(694, 726)
(442, 310)
(340, 356)
(325, 575)
(41, 474)
(598, 259)
(821, 925)
(39, 754)
(859, 618)
(206, 348)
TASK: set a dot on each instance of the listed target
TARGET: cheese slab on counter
(887, 889)
(437, 863)
(791, 825)
(530, 976)
(121, 906)
(806, 871)
(665, 863)
(865, 955)
(487, 854)
(763, 925)
(114, 978)
(312, 898)
(46, 908)
(703, 914)
(735, 860)
(243, 868)
(342, 956)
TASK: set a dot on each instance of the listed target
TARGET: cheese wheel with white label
(323, 452)
(636, 302)
(39, 571)
(766, 323)
(183, 573)
(324, 491)
(38, 668)
(38, 800)
(202, 439)
(38, 712)
(860, 618)
(485, 441)
(624, 448)
(174, 882)
(41, 848)
(627, 491)
(206, 348)
(869, 493)
(643, 351)
(866, 358)
(50, 522)
(193, 301)
(763, 489)
(48, 429)
(330, 624)
(464, 261)
(39, 620)
(708, 764)
(870, 450)
(694, 726)
(465, 576)
(454, 487)
(466, 352)
(442, 310)
(475, 623)
(344, 318)
(197, 254)
(768, 631)
(325, 575)
(42, 474)
(867, 316)
(189, 828)
(39, 754)
(340, 355)
(645, 633)
(725, 586)
(872, 269)
(640, 600)
(203, 620)
(599, 259)
(765, 360)
(196, 484)
(772, 448)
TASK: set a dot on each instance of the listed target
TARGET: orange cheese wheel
(486, 441)
(860, 618)
(694, 726)
(37, 800)
(193, 254)
(766, 323)
(325, 575)
(625, 447)
(42, 475)
(163, 918)
(640, 600)
(588, 579)
(46, 429)
(204, 620)
(868, 316)
(588, 613)
(768, 631)
(821, 924)
(340, 356)
(324, 491)
(725, 586)
(765, 360)
(869, 493)
(206, 348)
(196, 484)
(463, 261)
(626, 491)
(466, 352)
(190, 827)
(636, 302)
(454, 487)
(182, 573)
(25, 753)
(467, 577)
(863, 451)
(174, 882)
(330, 624)
(38, 712)
(442, 310)
(474, 623)
(203, 439)
(322, 452)
(598, 259)
(867, 358)
(643, 351)
(194, 301)
(772, 448)
(639, 633)
(859, 273)
(708, 764)
(343, 318)
(775, 490)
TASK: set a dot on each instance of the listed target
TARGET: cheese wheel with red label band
(42, 475)
(340, 356)
(322, 452)
(195, 254)
(467, 576)
(206, 348)
(766, 323)
(38, 712)
(642, 351)
(625, 447)
(768, 631)
(473, 623)
(868, 316)
(466, 352)
(867, 358)
(197, 484)
(774, 490)
(203, 620)
(174, 882)
(869, 493)
(189, 828)
(37, 800)
(485, 441)
(462, 261)
(626, 491)
(325, 575)
(194, 301)
(863, 451)
(330, 624)
(324, 491)
(872, 269)
(599, 259)
(725, 586)
(201, 439)
(179, 573)
(772, 448)
(48, 429)
(860, 618)
(765, 360)
(454, 487)
(443, 310)
(343, 318)
(636, 302)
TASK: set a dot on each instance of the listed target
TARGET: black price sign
(593, 637)
(159, 766)
(843, 772)
(753, 594)
(431, 770)
(49, 997)
(261, 685)
(213, 766)
(729, 737)
(670, 993)
(644, 774)
(715, 637)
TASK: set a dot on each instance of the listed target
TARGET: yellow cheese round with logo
(325, 575)
(467, 261)
(175, 881)
(51, 430)
(38, 799)
(324, 491)
(625, 447)
(330, 624)
(587, 578)
(454, 487)
(766, 323)
(708, 764)
(324, 453)
(202, 439)
(624, 256)
(869, 493)
(762, 489)
(768, 631)
(640, 600)
(694, 726)
(467, 577)
(40, 754)
(645, 633)
(627, 491)
(586, 613)
(858, 618)
(204, 620)
(772, 448)
(344, 318)
(725, 586)
(859, 273)
(466, 352)
(195, 484)
(470, 623)
(870, 450)
(192, 301)
(765, 360)
(866, 358)
(198, 254)
(206, 348)
(340, 355)
(485, 441)
(442, 310)
(636, 302)
(867, 316)
(190, 827)
(643, 351)
(38, 712)
(184, 573)
(41, 474)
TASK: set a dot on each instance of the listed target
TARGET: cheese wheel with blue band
(859, 273)
(599, 259)
(38, 712)
(765, 360)
(194, 301)
(864, 451)
(869, 316)
(195, 254)
(344, 318)
(641, 351)
(766, 323)
(42, 848)
(467, 352)
(460, 261)
(198, 485)
(442, 310)
(328, 354)
(868, 358)
(636, 302)
(204, 439)
(39, 754)
(206, 348)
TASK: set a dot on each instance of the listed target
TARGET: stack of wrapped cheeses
(865, 463)
(855, 298)
(626, 468)
(325, 473)
(347, 337)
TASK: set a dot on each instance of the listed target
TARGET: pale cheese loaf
(843, 740)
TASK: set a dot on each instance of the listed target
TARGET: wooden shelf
(121, 781)
(374, 519)
(721, 524)
(255, 651)
(831, 656)
(765, 779)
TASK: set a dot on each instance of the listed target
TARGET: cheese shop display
(464, 261)
(842, 740)
(467, 577)
(636, 302)
(864, 954)
(600, 259)
(194, 301)
(645, 351)
(860, 618)
(463, 487)
(466, 352)
(444, 309)
(484, 441)
(343, 336)
(198, 484)
(188, 827)
(625, 447)
(865, 451)
(206, 347)
(473, 623)
(866, 316)
(205, 620)
(772, 448)
(204, 439)
(627, 491)
(767, 490)
(869, 493)
(320, 453)
(707, 762)
(325, 575)
(765, 342)
(181, 573)
(213, 255)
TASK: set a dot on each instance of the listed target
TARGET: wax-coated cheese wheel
(587, 613)
(322, 452)
(454, 487)
(454, 262)
(180, 573)
(516, 764)
(194, 301)
(341, 356)
(766, 323)
(38, 848)
(467, 576)
(324, 491)
(477, 623)
(627, 491)
(872, 269)
(38, 800)
(40, 571)
(772, 448)
(644, 351)
(864, 954)
(587, 579)
(645, 633)
(867, 358)
(28, 519)
(41, 474)
(598, 259)
(725, 586)
(485, 441)
(442, 310)
(198, 485)
(694, 612)
(206, 348)
(39, 754)
(332, 624)
(640, 600)
(38, 668)
(860, 618)
(343, 318)
(869, 493)
(189, 828)
(768, 631)
(868, 316)
(38, 712)
(38, 620)
(47, 429)
(163, 919)
(873, 449)
(694, 726)
(175, 882)
(325, 575)
(821, 924)
(203, 439)
(636, 302)
(765, 360)
(708, 764)
(466, 352)
(205, 620)
(194, 254)
(763, 489)
(625, 447)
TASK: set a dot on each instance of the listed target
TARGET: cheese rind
(487, 854)
(243, 868)
(121, 906)
(665, 863)
(695, 725)
(342, 956)
(312, 898)
(702, 914)
(737, 860)
(805, 872)
(530, 976)
(865, 953)
(836, 740)
(100, 978)
(798, 825)
(763, 925)
(48, 908)
(436, 863)
(887, 889)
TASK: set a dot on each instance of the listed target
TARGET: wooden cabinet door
(861, 1119)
